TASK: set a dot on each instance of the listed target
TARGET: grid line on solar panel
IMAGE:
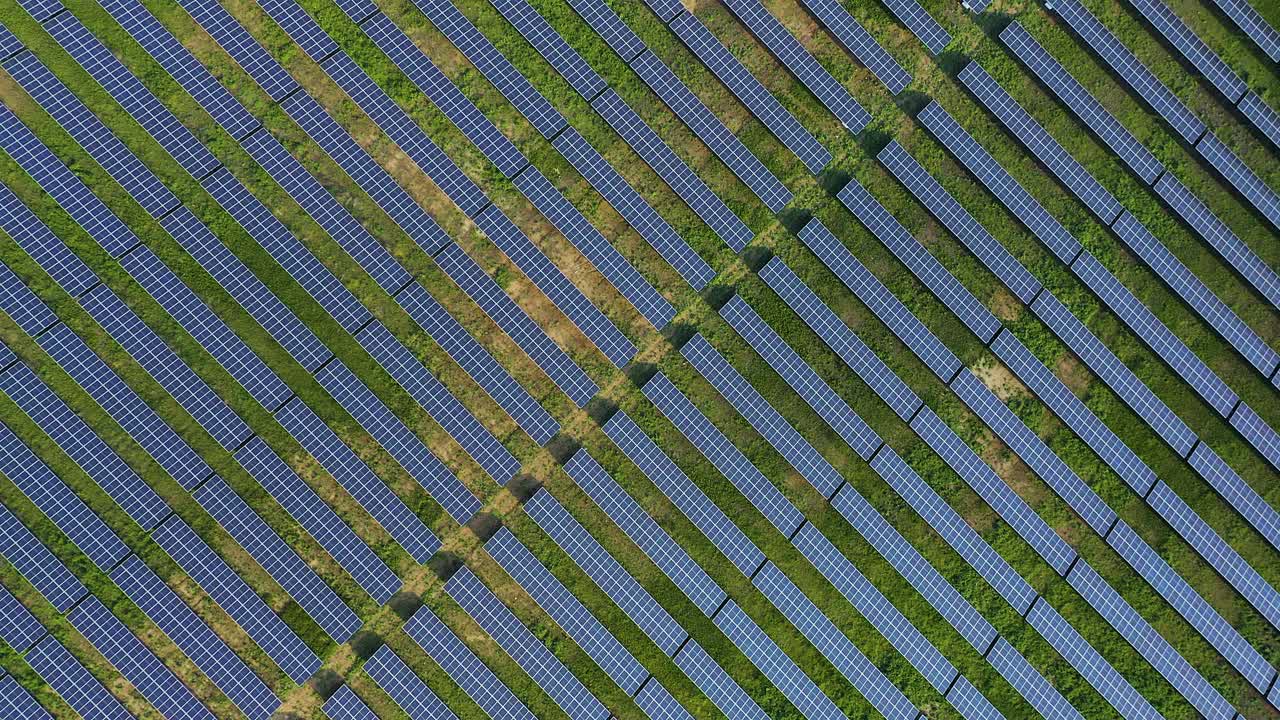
(23, 307)
(19, 629)
(1192, 48)
(605, 571)
(1253, 24)
(209, 653)
(711, 130)
(551, 46)
(633, 208)
(37, 564)
(42, 10)
(135, 662)
(1029, 683)
(286, 249)
(860, 43)
(886, 698)
(528, 651)
(1034, 137)
(1263, 117)
(657, 703)
(1259, 434)
(860, 358)
(55, 258)
(9, 44)
(1082, 102)
(301, 28)
(278, 559)
(750, 91)
(922, 264)
(716, 684)
(6, 355)
(615, 33)
(145, 346)
(643, 530)
(457, 660)
(966, 699)
(1241, 177)
(16, 701)
(124, 406)
(241, 46)
(49, 92)
(357, 479)
(73, 682)
(404, 686)
(344, 704)
(399, 441)
(306, 507)
(920, 23)
(478, 363)
(1238, 494)
(673, 171)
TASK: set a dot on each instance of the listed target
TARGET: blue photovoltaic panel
(645, 532)
(457, 660)
(124, 406)
(232, 275)
(605, 571)
(527, 650)
(344, 704)
(1233, 488)
(304, 30)
(924, 266)
(633, 208)
(1130, 69)
(1253, 24)
(207, 328)
(241, 46)
(107, 469)
(1263, 117)
(883, 695)
(19, 629)
(278, 559)
(15, 701)
(37, 564)
(774, 663)
(711, 130)
(513, 320)
(9, 44)
(287, 250)
(602, 255)
(1019, 123)
(478, 363)
(23, 307)
(673, 171)
(858, 41)
(59, 502)
(920, 24)
(73, 682)
(404, 686)
(610, 27)
(567, 611)
(665, 9)
(145, 346)
(677, 486)
(1259, 434)
(723, 454)
(1220, 237)
(135, 662)
(750, 91)
(439, 402)
(334, 535)
(763, 417)
(41, 10)
(807, 70)
(658, 704)
(1029, 683)
(1240, 177)
(1192, 48)
(962, 225)
(357, 479)
(712, 680)
(209, 653)
(970, 702)
(855, 276)
(399, 441)
(182, 66)
(860, 358)
(553, 48)
(357, 9)
(66, 269)
(6, 355)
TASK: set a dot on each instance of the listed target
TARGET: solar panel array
(73, 682)
(405, 688)
(1240, 176)
(860, 43)
(37, 564)
(19, 629)
(16, 701)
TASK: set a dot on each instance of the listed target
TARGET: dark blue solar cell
(1257, 432)
(37, 564)
(1241, 177)
(15, 701)
(1233, 488)
(1192, 48)
(344, 704)
(860, 43)
(23, 307)
(610, 27)
(732, 700)
(301, 27)
(71, 680)
(55, 258)
(552, 47)
(404, 686)
(19, 629)
(1263, 117)
(1029, 683)
(241, 46)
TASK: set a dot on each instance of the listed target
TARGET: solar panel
(774, 663)
(717, 448)
(1257, 432)
(1240, 177)
(1238, 494)
(182, 66)
(42, 10)
(357, 9)
(920, 24)
(657, 703)
(970, 702)
(209, 653)
(344, 704)
(713, 681)
(594, 247)
(357, 479)
(1220, 237)
(124, 406)
(673, 171)
(39, 566)
(1125, 64)
(750, 91)
(923, 265)
(605, 571)
(278, 559)
(1029, 683)
(298, 24)
(478, 363)
(6, 356)
(1192, 48)
(232, 275)
(73, 682)
(66, 269)
(553, 48)
(883, 695)
(9, 44)
(645, 532)
(633, 208)
(241, 46)
(23, 307)
(711, 130)
(404, 686)
(461, 664)
(682, 492)
(59, 502)
(610, 27)
(17, 702)
(1253, 25)
(310, 512)
(860, 358)
(145, 346)
(206, 327)
(1263, 117)
(528, 651)
(861, 44)
(19, 629)
(136, 663)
